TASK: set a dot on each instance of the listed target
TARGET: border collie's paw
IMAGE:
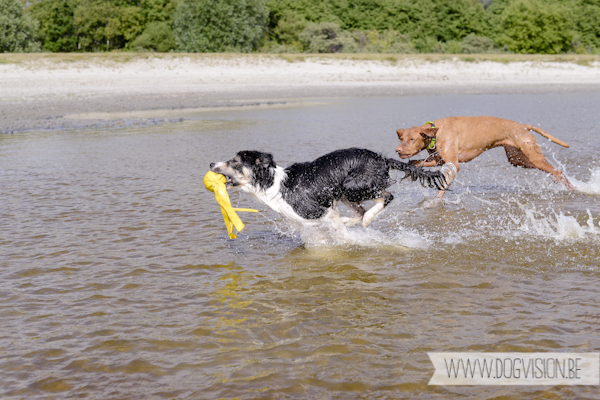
(351, 221)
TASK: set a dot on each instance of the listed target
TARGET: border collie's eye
(236, 165)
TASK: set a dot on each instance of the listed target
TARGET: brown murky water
(117, 279)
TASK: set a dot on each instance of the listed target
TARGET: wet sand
(47, 93)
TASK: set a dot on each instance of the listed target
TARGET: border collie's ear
(429, 131)
(265, 160)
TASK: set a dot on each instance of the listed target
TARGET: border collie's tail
(433, 179)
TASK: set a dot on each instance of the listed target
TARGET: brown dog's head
(413, 140)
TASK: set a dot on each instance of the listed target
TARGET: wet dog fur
(310, 191)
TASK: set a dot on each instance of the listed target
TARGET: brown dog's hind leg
(517, 158)
(530, 156)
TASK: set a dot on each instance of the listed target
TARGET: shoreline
(43, 92)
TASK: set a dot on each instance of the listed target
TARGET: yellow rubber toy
(216, 183)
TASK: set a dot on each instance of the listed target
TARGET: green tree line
(295, 26)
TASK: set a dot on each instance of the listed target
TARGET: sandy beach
(46, 93)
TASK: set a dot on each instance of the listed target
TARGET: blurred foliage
(100, 25)
(219, 25)
(532, 26)
(475, 44)
(327, 37)
(17, 29)
(296, 26)
(387, 41)
(56, 31)
(157, 36)
(444, 26)
(103, 25)
(586, 21)
(440, 20)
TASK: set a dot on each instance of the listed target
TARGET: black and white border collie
(310, 191)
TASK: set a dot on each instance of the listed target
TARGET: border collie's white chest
(272, 197)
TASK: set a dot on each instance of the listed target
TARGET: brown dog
(454, 140)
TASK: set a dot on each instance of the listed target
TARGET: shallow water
(117, 279)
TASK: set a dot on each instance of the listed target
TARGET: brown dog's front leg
(449, 170)
(432, 161)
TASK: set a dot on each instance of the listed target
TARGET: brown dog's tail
(547, 135)
(433, 179)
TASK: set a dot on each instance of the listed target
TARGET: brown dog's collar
(431, 145)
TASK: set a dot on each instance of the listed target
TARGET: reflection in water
(118, 279)
(231, 292)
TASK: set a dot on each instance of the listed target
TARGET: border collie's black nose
(212, 165)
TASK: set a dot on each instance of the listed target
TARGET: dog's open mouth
(229, 183)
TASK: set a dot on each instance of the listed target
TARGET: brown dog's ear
(429, 131)
(399, 132)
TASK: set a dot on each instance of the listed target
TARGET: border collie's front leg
(382, 202)
(356, 209)
(333, 218)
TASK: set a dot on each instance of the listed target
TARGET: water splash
(327, 235)
(590, 187)
(333, 233)
(555, 226)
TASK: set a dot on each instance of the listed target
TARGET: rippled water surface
(118, 280)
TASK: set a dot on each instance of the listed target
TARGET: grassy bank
(124, 57)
